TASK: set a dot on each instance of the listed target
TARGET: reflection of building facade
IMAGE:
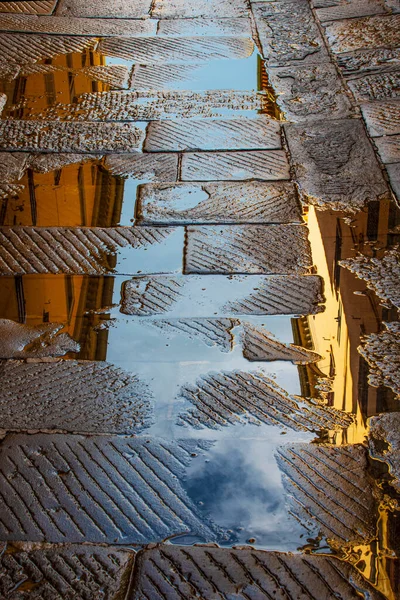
(82, 193)
(350, 312)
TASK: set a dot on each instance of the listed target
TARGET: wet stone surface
(199, 296)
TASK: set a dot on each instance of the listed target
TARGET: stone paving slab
(309, 92)
(134, 9)
(348, 9)
(368, 32)
(74, 396)
(268, 249)
(382, 353)
(58, 572)
(20, 340)
(389, 148)
(335, 164)
(165, 76)
(260, 345)
(393, 171)
(77, 26)
(242, 133)
(385, 432)
(214, 26)
(52, 136)
(322, 489)
(382, 85)
(369, 61)
(174, 573)
(225, 202)
(34, 7)
(182, 50)
(222, 296)
(281, 42)
(228, 398)
(382, 118)
(153, 167)
(175, 9)
(266, 165)
(89, 251)
(71, 488)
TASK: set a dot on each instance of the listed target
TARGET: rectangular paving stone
(266, 165)
(53, 136)
(283, 43)
(389, 148)
(235, 202)
(173, 572)
(134, 9)
(175, 9)
(309, 92)
(335, 164)
(393, 171)
(153, 167)
(385, 430)
(268, 249)
(261, 345)
(74, 396)
(77, 26)
(348, 9)
(89, 250)
(382, 118)
(72, 488)
(240, 27)
(378, 60)
(164, 76)
(321, 488)
(33, 7)
(376, 86)
(222, 296)
(368, 32)
(65, 571)
(181, 50)
(252, 133)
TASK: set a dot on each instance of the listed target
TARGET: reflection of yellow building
(82, 193)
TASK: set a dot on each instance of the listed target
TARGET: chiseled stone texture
(133, 9)
(268, 249)
(74, 396)
(76, 26)
(213, 25)
(389, 148)
(164, 76)
(221, 202)
(52, 136)
(58, 572)
(153, 167)
(348, 9)
(369, 61)
(118, 489)
(222, 295)
(175, 9)
(309, 92)
(242, 133)
(368, 32)
(379, 85)
(174, 573)
(335, 164)
(280, 40)
(267, 165)
(393, 171)
(29, 7)
(20, 340)
(385, 429)
(382, 118)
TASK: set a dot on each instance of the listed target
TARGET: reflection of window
(69, 295)
(373, 220)
(332, 368)
(50, 88)
(338, 256)
(339, 322)
(19, 293)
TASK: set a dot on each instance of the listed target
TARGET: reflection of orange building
(82, 193)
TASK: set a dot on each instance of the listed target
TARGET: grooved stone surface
(335, 164)
(164, 76)
(309, 92)
(212, 332)
(382, 118)
(389, 148)
(154, 167)
(267, 165)
(381, 85)
(259, 344)
(69, 137)
(134, 9)
(248, 202)
(239, 397)
(348, 9)
(239, 26)
(34, 7)
(201, 296)
(67, 26)
(174, 573)
(269, 249)
(385, 429)
(281, 42)
(369, 32)
(19, 340)
(257, 133)
(58, 572)
(368, 61)
(75, 251)
(75, 488)
(322, 488)
(180, 50)
(76, 396)
(175, 9)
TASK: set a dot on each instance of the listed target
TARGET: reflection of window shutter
(19, 293)
(49, 86)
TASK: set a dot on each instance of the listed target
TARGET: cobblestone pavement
(199, 299)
